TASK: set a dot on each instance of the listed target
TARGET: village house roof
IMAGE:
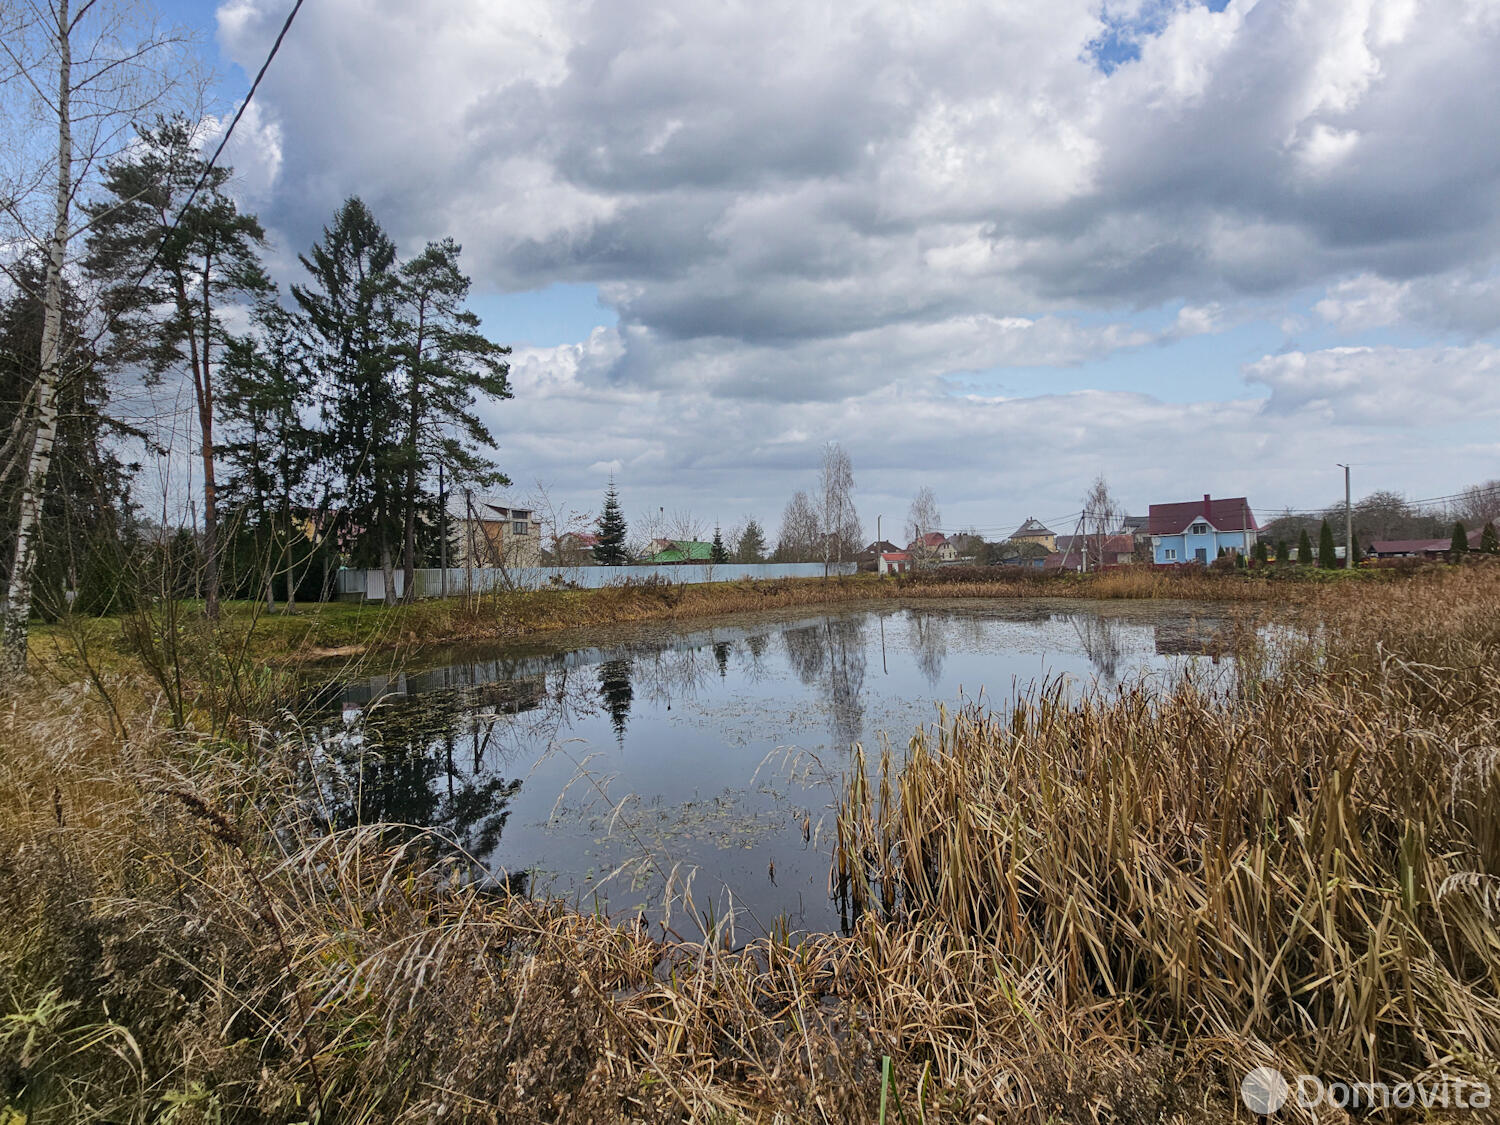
(931, 539)
(684, 550)
(1421, 546)
(1233, 514)
(1032, 526)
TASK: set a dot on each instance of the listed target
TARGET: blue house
(1195, 531)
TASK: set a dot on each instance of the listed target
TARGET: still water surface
(713, 751)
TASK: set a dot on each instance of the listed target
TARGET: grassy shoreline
(333, 632)
(1073, 913)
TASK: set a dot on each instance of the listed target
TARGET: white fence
(369, 585)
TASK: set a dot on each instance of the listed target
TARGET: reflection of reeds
(1101, 910)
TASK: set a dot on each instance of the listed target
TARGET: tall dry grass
(1093, 911)
(1304, 872)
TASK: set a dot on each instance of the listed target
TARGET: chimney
(1208, 510)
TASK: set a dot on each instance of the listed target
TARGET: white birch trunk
(16, 611)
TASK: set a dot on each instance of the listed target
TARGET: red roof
(1419, 546)
(1233, 514)
(896, 556)
(931, 539)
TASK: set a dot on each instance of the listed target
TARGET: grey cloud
(1245, 152)
(806, 215)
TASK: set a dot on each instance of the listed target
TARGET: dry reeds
(1090, 910)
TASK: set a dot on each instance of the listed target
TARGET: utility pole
(1348, 523)
(442, 535)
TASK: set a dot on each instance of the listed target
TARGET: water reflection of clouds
(683, 718)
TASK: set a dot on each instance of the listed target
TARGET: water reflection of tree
(401, 762)
(616, 692)
(929, 644)
(757, 643)
(1103, 641)
(830, 656)
(667, 675)
(721, 658)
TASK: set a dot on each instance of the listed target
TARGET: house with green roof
(669, 551)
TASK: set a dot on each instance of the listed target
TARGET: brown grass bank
(331, 632)
(1101, 912)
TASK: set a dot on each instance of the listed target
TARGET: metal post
(442, 534)
(468, 544)
(1348, 523)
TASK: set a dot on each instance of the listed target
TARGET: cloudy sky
(995, 248)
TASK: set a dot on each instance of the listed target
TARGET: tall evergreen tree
(1328, 554)
(187, 272)
(1262, 557)
(447, 362)
(1489, 541)
(1304, 548)
(610, 550)
(350, 303)
(272, 454)
(752, 545)
(716, 551)
(1460, 543)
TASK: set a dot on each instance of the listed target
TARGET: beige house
(1034, 531)
(498, 534)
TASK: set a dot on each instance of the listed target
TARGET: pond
(632, 765)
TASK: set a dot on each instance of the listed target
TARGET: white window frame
(1169, 554)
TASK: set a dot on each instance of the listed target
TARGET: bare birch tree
(922, 519)
(840, 523)
(74, 80)
(800, 530)
(1101, 511)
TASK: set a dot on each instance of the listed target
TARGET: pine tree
(447, 362)
(1283, 552)
(1489, 541)
(1328, 554)
(1460, 544)
(610, 550)
(1262, 557)
(271, 454)
(351, 304)
(1304, 548)
(165, 285)
(1356, 555)
(752, 544)
(716, 552)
